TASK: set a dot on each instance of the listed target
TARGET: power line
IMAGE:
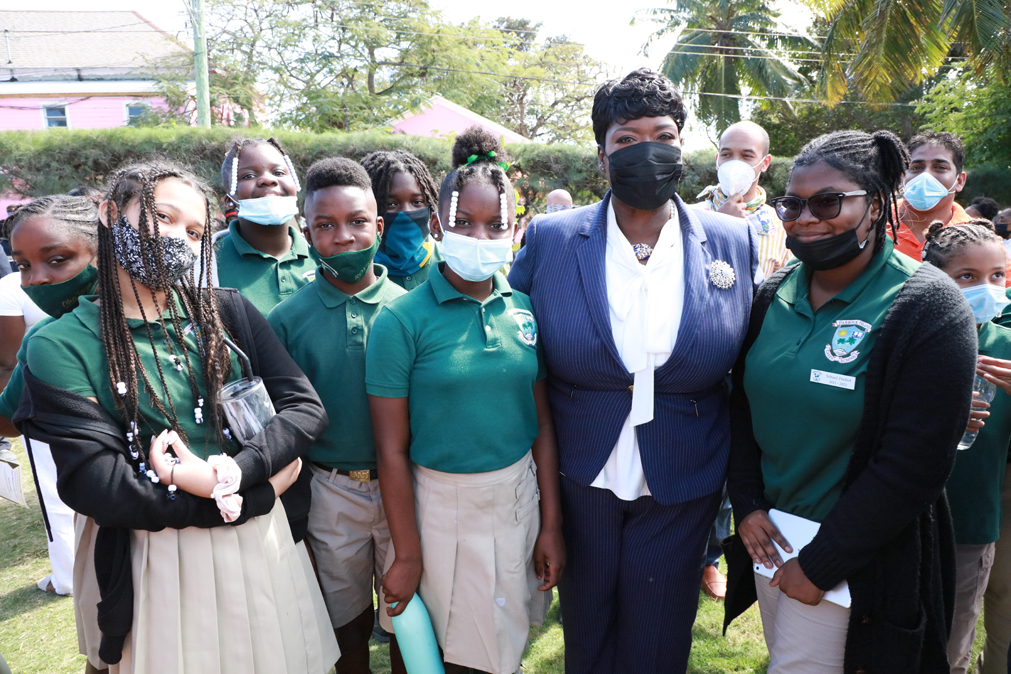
(751, 32)
(689, 93)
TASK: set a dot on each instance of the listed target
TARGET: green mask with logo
(351, 266)
(57, 299)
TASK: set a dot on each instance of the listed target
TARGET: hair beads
(504, 207)
(291, 172)
(452, 209)
(235, 173)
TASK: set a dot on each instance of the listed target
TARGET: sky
(612, 33)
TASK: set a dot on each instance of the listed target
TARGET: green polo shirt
(468, 369)
(412, 281)
(69, 353)
(325, 331)
(263, 279)
(976, 480)
(10, 399)
(804, 377)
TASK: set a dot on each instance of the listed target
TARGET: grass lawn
(37, 634)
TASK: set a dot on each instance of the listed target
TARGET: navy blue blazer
(684, 449)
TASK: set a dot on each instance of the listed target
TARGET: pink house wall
(94, 112)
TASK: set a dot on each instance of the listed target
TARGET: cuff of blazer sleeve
(251, 464)
(822, 564)
(256, 501)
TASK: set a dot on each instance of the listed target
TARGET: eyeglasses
(824, 206)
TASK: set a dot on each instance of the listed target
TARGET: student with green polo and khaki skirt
(264, 254)
(325, 327)
(464, 441)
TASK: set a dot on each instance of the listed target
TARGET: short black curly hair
(641, 93)
(486, 150)
(336, 172)
(948, 141)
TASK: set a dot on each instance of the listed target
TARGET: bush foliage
(35, 163)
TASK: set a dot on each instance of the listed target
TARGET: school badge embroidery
(722, 275)
(528, 325)
(847, 336)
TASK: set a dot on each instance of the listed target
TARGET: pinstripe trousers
(631, 585)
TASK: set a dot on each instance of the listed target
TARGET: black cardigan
(96, 476)
(889, 535)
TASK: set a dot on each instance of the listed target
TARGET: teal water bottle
(413, 629)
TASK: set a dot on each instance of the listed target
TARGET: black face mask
(832, 252)
(645, 175)
(179, 258)
(1001, 228)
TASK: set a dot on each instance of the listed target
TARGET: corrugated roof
(85, 40)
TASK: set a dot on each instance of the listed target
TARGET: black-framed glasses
(824, 206)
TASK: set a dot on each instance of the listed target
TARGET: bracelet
(229, 476)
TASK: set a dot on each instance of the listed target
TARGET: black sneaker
(378, 633)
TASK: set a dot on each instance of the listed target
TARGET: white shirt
(645, 303)
(14, 301)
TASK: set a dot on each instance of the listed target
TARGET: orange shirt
(913, 247)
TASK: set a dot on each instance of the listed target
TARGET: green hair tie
(491, 155)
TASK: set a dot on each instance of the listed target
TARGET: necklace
(642, 251)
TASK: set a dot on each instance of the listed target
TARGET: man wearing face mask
(743, 157)
(930, 184)
(1000, 223)
(642, 305)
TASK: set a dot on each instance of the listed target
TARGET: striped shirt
(772, 251)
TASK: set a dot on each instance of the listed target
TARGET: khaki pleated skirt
(228, 600)
(477, 534)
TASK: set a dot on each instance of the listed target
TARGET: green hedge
(35, 163)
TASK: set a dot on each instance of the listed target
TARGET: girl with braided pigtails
(407, 200)
(850, 395)
(264, 254)
(473, 512)
(187, 545)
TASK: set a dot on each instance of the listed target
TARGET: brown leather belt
(356, 475)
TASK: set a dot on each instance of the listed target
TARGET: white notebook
(799, 532)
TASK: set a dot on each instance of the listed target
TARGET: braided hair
(945, 242)
(475, 156)
(126, 371)
(383, 164)
(76, 216)
(230, 165)
(875, 162)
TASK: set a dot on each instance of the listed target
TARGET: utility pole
(200, 63)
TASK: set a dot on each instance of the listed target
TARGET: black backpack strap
(233, 315)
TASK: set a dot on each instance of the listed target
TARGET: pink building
(439, 118)
(79, 70)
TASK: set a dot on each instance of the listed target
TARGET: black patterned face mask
(179, 257)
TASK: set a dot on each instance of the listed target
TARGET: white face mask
(269, 210)
(736, 176)
(475, 259)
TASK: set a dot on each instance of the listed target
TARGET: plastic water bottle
(413, 629)
(985, 391)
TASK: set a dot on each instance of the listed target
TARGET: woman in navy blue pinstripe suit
(643, 306)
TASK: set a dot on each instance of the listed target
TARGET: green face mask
(351, 266)
(57, 299)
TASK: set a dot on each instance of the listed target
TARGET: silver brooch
(722, 275)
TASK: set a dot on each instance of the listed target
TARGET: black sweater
(96, 476)
(889, 535)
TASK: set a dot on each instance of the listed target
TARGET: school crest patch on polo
(310, 276)
(527, 324)
(847, 336)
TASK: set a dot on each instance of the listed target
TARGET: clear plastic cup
(247, 407)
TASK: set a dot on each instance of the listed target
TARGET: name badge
(833, 379)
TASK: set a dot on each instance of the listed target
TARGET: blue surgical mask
(925, 191)
(986, 301)
(475, 259)
(269, 210)
(404, 250)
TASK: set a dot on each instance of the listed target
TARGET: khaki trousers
(801, 639)
(997, 599)
(972, 570)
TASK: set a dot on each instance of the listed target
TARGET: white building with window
(80, 70)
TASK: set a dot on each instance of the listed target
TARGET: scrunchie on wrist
(229, 476)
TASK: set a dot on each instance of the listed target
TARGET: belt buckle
(360, 475)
